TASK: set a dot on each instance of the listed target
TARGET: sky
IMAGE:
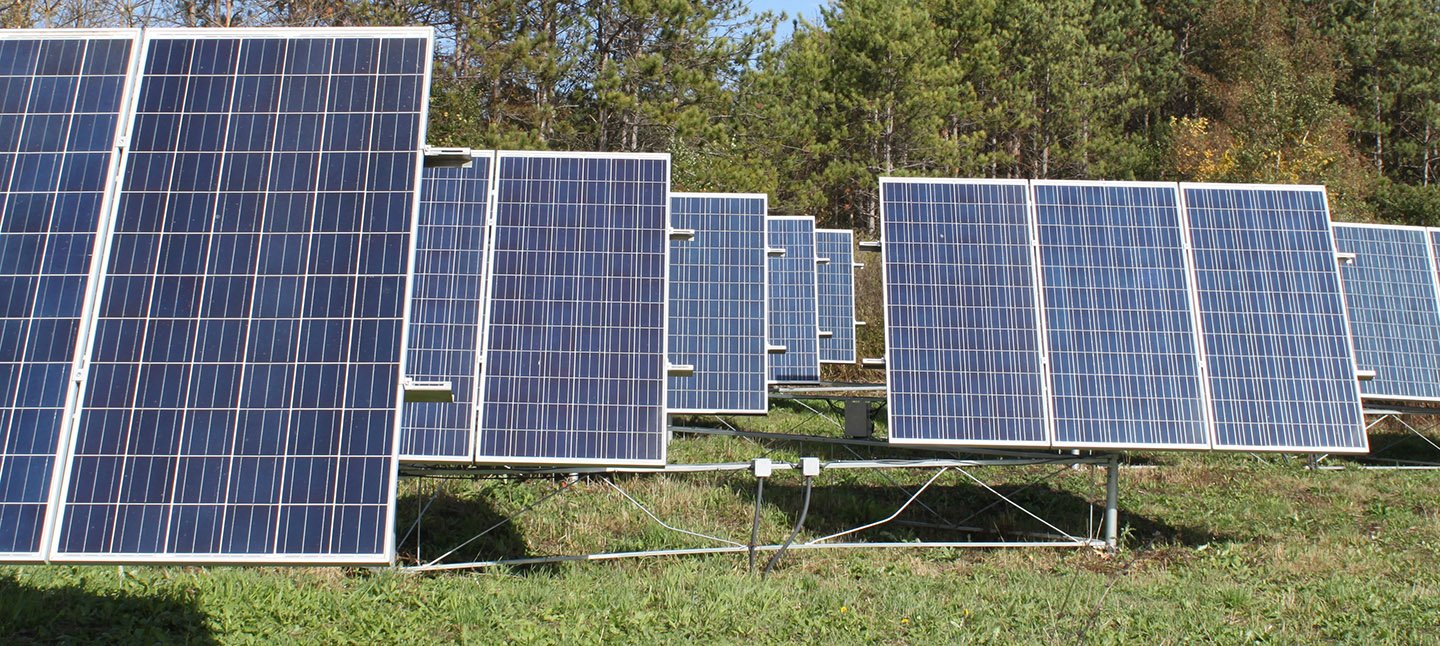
(810, 9)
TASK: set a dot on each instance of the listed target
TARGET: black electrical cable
(755, 525)
(804, 509)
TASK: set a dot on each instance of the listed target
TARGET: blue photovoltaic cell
(835, 292)
(1281, 372)
(242, 398)
(60, 99)
(794, 317)
(574, 366)
(1394, 316)
(445, 309)
(1124, 361)
(961, 323)
(717, 304)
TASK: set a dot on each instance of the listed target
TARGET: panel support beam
(437, 157)
(1112, 502)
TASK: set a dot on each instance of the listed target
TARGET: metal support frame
(1108, 540)
(782, 391)
(1398, 414)
(848, 441)
(1112, 502)
(947, 459)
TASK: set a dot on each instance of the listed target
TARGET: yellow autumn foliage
(1197, 153)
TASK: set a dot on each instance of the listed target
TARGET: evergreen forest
(1344, 93)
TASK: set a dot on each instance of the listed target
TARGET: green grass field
(1217, 549)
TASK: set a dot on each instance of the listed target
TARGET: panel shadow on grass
(964, 512)
(454, 516)
(72, 615)
(1394, 444)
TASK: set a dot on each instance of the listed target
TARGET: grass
(1218, 549)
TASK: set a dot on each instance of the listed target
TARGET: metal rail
(848, 441)
(610, 556)
(721, 467)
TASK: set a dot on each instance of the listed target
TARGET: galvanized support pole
(755, 524)
(1112, 504)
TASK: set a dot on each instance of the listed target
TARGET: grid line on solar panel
(242, 399)
(1276, 337)
(1391, 296)
(835, 294)
(794, 309)
(718, 303)
(61, 95)
(574, 369)
(1122, 333)
(963, 343)
(447, 308)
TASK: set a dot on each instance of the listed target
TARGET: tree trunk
(1379, 137)
(1375, 90)
(546, 85)
(1425, 162)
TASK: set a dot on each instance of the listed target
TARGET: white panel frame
(393, 486)
(1037, 310)
(764, 307)
(1192, 279)
(1182, 221)
(1344, 312)
(388, 554)
(662, 412)
(71, 33)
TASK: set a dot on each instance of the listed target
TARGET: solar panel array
(794, 310)
(1391, 295)
(718, 304)
(835, 293)
(61, 95)
(574, 370)
(445, 309)
(215, 271)
(240, 395)
(1137, 286)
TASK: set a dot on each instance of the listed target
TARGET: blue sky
(810, 9)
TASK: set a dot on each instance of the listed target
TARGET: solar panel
(445, 310)
(794, 317)
(963, 342)
(241, 403)
(61, 94)
(574, 364)
(717, 303)
(1277, 344)
(835, 292)
(1121, 332)
(1390, 293)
